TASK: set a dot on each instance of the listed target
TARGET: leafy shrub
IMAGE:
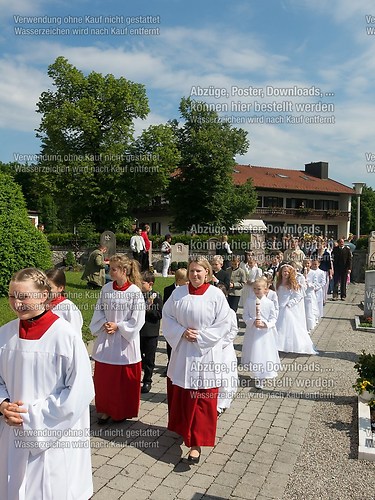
(361, 243)
(70, 260)
(21, 244)
(174, 266)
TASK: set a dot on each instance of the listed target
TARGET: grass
(84, 299)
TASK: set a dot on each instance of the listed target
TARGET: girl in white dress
(259, 351)
(292, 334)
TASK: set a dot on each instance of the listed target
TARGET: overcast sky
(264, 57)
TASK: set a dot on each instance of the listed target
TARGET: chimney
(317, 169)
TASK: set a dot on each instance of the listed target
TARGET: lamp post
(358, 186)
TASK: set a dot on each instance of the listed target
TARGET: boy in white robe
(319, 281)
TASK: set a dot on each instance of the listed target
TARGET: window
(326, 204)
(332, 232)
(273, 201)
(319, 229)
(155, 228)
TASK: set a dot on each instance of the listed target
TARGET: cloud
(20, 88)
(24, 7)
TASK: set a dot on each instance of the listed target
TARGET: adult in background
(253, 272)
(342, 265)
(295, 254)
(94, 271)
(326, 265)
(195, 320)
(138, 246)
(146, 256)
(237, 280)
(223, 249)
(166, 251)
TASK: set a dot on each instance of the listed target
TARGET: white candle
(257, 308)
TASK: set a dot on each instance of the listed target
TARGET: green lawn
(83, 298)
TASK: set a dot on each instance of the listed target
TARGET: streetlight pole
(358, 187)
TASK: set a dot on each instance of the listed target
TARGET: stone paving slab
(260, 437)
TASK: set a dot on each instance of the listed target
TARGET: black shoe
(145, 388)
(193, 460)
(103, 420)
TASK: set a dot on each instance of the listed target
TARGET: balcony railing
(301, 213)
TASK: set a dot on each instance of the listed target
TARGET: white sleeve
(247, 315)
(295, 298)
(172, 329)
(61, 410)
(211, 335)
(129, 328)
(99, 318)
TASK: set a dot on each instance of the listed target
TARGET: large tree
(89, 155)
(367, 215)
(202, 191)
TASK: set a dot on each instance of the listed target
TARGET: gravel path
(327, 467)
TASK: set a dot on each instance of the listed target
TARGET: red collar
(34, 329)
(198, 291)
(55, 301)
(122, 288)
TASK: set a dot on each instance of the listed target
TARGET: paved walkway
(265, 447)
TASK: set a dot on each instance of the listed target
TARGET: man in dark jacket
(150, 330)
(342, 265)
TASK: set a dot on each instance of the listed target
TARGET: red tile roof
(287, 180)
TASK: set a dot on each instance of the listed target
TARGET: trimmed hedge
(123, 239)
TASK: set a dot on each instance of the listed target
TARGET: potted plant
(365, 384)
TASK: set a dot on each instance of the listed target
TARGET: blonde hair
(218, 258)
(180, 274)
(292, 280)
(36, 275)
(130, 266)
(202, 261)
(260, 281)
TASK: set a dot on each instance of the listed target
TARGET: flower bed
(364, 323)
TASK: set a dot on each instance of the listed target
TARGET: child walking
(150, 330)
(259, 351)
(292, 334)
